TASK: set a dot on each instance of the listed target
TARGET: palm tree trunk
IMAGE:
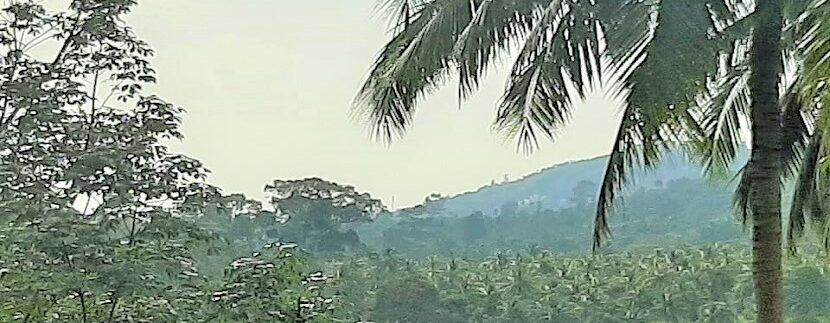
(765, 163)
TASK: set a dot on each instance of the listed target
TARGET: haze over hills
(672, 204)
(554, 186)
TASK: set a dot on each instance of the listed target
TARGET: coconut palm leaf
(816, 46)
(806, 202)
(400, 12)
(741, 201)
(563, 57)
(496, 26)
(680, 55)
(681, 66)
(722, 113)
(797, 123)
(537, 100)
(810, 95)
(416, 62)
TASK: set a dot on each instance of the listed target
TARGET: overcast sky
(268, 85)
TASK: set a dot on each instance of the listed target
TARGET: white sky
(268, 85)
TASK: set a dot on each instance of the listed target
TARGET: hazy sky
(268, 85)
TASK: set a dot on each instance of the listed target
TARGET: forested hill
(673, 204)
(554, 186)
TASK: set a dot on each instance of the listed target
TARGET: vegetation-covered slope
(674, 204)
(710, 283)
(554, 186)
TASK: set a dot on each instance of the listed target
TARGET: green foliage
(97, 216)
(709, 283)
(808, 290)
(265, 288)
(675, 213)
(420, 302)
(100, 222)
(316, 211)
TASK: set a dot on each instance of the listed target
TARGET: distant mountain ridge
(553, 186)
(673, 204)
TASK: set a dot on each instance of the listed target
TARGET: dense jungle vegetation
(101, 222)
(676, 258)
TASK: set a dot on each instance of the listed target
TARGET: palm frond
(741, 200)
(440, 38)
(796, 125)
(400, 13)
(722, 110)
(414, 63)
(728, 13)
(805, 200)
(641, 141)
(721, 115)
(800, 16)
(496, 26)
(627, 35)
(561, 50)
(624, 156)
(680, 54)
(815, 48)
(810, 96)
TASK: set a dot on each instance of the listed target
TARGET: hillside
(554, 186)
(673, 204)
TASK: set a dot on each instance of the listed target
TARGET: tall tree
(94, 209)
(316, 209)
(96, 214)
(765, 164)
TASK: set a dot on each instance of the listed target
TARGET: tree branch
(132, 229)
(76, 30)
(112, 308)
(83, 304)
(15, 62)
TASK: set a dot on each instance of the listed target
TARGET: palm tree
(764, 168)
(698, 71)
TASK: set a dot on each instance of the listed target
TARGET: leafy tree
(77, 129)
(316, 210)
(256, 289)
(97, 216)
(240, 218)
